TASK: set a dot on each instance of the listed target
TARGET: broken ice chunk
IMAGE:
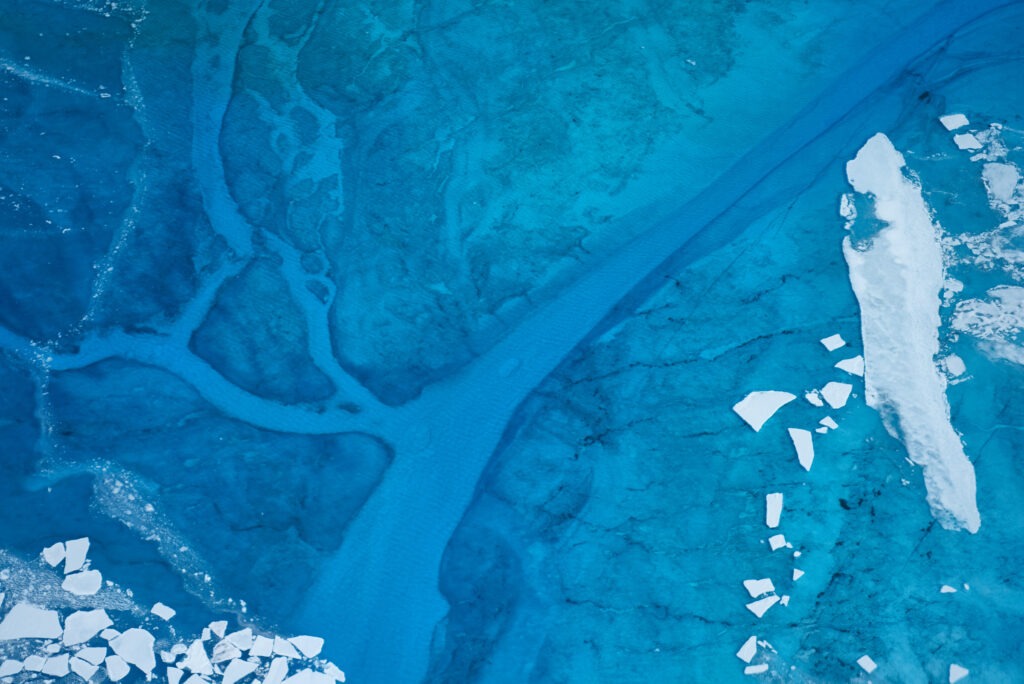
(277, 671)
(10, 667)
(829, 423)
(954, 365)
(85, 583)
(93, 654)
(196, 660)
(814, 398)
(75, 551)
(262, 647)
(25, 621)
(224, 650)
(773, 509)
(117, 669)
(162, 611)
(237, 670)
(821, 430)
(853, 365)
(776, 541)
(309, 677)
(83, 625)
(53, 555)
(946, 589)
(833, 342)
(219, 627)
(953, 121)
(284, 648)
(242, 639)
(56, 666)
(797, 574)
(109, 634)
(758, 587)
(82, 668)
(135, 647)
(836, 394)
(967, 141)
(174, 675)
(956, 673)
(761, 606)
(309, 646)
(784, 601)
(804, 446)
(748, 650)
(334, 672)
(755, 669)
(867, 664)
(757, 407)
(34, 663)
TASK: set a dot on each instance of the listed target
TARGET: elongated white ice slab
(757, 407)
(773, 509)
(54, 554)
(867, 664)
(897, 279)
(833, 342)
(804, 445)
(748, 650)
(761, 606)
(162, 611)
(758, 587)
(853, 365)
(967, 141)
(76, 549)
(836, 394)
(953, 121)
(26, 621)
(761, 668)
(829, 422)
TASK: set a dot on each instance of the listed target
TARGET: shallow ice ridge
(49, 630)
(897, 276)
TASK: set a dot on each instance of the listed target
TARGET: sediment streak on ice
(897, 279)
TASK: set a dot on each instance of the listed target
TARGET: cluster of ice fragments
(756, 409)
(46, 643)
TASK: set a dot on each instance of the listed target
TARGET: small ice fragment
(309, 677)
(83, 625)
(309, 646)
(34, 663)
(277, 671)
(967, 141)
(219, 627)
(135, 646)
(82, 669)
(773, 509)
(755, 669)
(174, 675)
(262, 647)
(75, 551)
(109, 634)
(797, 574)
(829, 423)
(205, 634)
(833, 342)
(953, 121)
(25, 621)
(10, 667)
(284, 648)
(2, 597)
(761, 606)
(757, 407)
(821, 430)
(954, 365)
(758, 587)
(93, 654)
(748, 650)
(797, 554)
(85, 583)
(162, 611)
(225, 650)
(967, 587)
(333, 671)
(196, 660)
(956, 673)
(867, 664)
(117, 669)
(814, 398)
(51, 648)
(784, 601)
(853, 365)
(236, 670)
(946, 589)
(57, 666)
(804, 446)
(53, 555)
(777, 541)
(836, 394)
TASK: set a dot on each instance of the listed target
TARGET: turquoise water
(418, 327)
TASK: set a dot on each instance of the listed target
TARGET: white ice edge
(897, 280)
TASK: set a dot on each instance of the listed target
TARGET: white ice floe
(308, 676)
(82, 668)
(797, 574)
(56, 666)
(957, 672)
(117, 668)
(773, 509)
(135, 646)
(309, 646)
(224, 651)
(814, 398)
(867, 664)
(821, 430)
(237, 670)
(755, 669)
(262, 646)
(10, 667)
(196, 659)
(219, 627)
(784, 601)
(283, 647)
(836, 394)
(93, 654)
(967, 141)
(758, 587)
(829, 422)
(757, 407)
(1003, 185)
(897, 278)
(776, 541)
(946, 589)
(53, 555)
(761, 606)
(748, 650)
(804, 445)
(163, 612)
(83, 625)
(833, 342)
(109, 634)
(953, 121)
(954, 366)
(85, 583)
(242, 639)
(25, 621)
(34, 663)
(277, 671)
(75, 552)
(853, 365)
(174, 675)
